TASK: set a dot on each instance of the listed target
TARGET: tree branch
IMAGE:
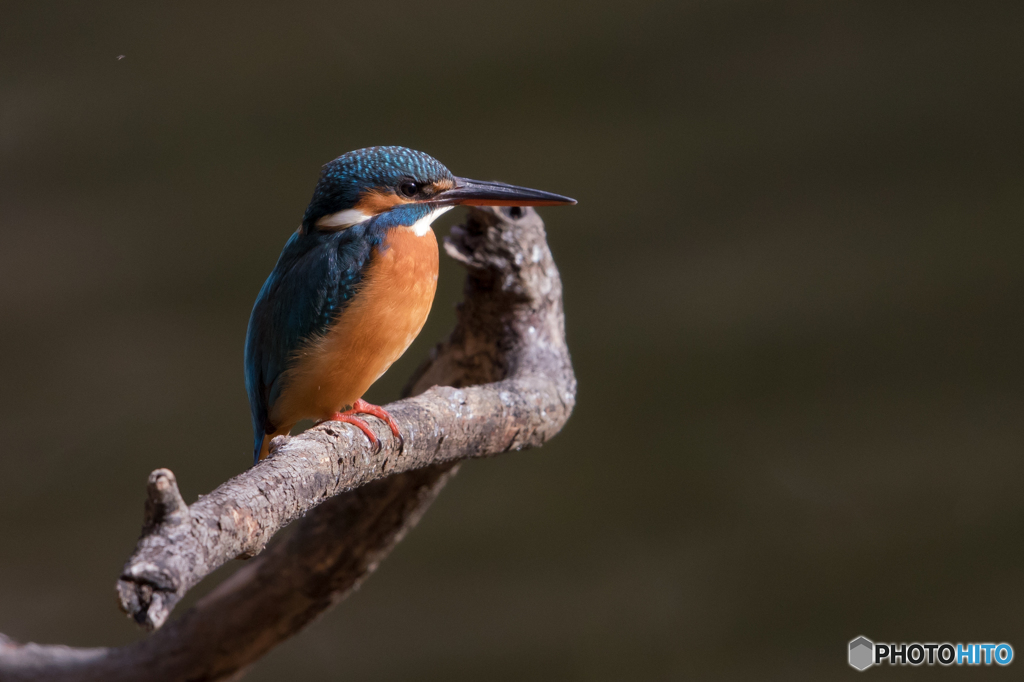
(502, 381)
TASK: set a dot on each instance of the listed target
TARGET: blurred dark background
(793, 284)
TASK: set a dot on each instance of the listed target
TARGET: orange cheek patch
(375, 203)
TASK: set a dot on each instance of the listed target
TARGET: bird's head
(368, 182)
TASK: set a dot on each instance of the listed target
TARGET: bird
(353, 286)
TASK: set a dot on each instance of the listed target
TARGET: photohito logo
(864, 653)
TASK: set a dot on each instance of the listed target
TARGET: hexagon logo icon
(862, 653)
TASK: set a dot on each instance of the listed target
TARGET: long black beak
(481, 193)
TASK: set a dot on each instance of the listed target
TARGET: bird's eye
(408, 188)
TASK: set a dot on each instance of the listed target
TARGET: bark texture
(502, 381)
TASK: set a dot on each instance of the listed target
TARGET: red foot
(359, 424)
(362, 407)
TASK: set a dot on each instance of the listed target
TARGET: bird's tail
(261, 446)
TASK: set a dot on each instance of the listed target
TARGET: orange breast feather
(378, 325)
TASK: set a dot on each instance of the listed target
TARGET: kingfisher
(353, 287)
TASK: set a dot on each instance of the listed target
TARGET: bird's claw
(346, 418)
(362, 407)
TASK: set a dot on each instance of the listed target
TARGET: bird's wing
(314, 279)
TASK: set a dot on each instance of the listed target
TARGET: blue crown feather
(345, 178)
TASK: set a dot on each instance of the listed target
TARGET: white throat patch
(342, 219)
(420, 227)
